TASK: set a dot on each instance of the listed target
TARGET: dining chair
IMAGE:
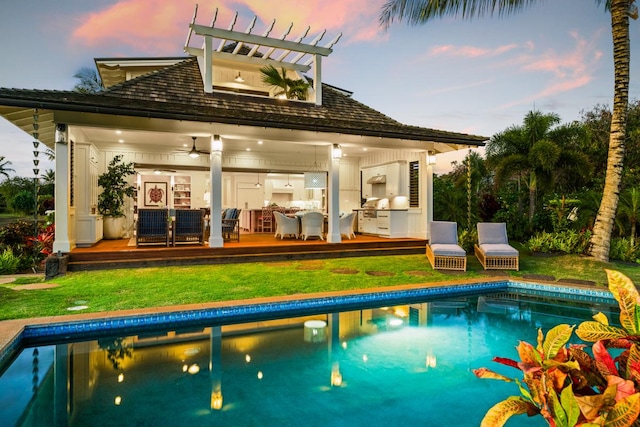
(312, 224)
(286, 226)
(346, 225)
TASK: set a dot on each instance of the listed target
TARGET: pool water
(406, 364)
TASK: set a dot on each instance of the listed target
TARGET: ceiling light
(315, 178)
(118, 132)
(239, 78)
(258, 185)
(288, 184)
(121, 141)
(157, 172)
(260, 142)
(194, 154)
(248, 149)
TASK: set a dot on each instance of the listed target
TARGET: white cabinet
(367, 225)
(396, 181)
(392, 223)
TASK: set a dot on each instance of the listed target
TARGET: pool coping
(13, 332)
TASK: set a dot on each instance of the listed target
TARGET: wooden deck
(109, 254)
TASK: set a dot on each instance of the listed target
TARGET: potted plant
(111, 201)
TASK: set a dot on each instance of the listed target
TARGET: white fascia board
(202, 30)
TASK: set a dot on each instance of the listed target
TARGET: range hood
(378, 179)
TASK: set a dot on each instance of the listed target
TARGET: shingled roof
(176, 92)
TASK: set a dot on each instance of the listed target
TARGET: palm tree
(538, 156)
(89, 81)
(420, 11)
(284, 86)
(4, 167)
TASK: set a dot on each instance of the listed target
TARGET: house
(240, 132)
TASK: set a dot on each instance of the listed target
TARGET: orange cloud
(158, 27)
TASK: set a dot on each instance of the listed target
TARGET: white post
(208, 67)
(215, 191)
(62, 241)
(429, 194)
(317, 78)
(333, 233)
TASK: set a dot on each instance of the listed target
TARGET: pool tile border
(14, 333)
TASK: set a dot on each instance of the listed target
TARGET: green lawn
(153, 287)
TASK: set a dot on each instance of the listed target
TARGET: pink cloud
(158, 27)
(567, 70)
(470, 51)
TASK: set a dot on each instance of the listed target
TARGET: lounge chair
(443, 251)
(346, 225)
(231, 225)
(188, 226)
(152, 227)
(312, 224)
(493, 249)
(286, 226)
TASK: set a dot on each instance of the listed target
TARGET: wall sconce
(216, 144)
(61, 135)
(336, 153)
(431, 158)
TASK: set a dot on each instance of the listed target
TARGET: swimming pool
(375, 359)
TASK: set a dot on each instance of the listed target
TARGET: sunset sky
(476, 77)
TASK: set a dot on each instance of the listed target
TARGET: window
(414, 184)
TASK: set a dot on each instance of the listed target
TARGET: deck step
(200, 256)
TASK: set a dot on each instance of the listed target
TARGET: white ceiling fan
(194, 152)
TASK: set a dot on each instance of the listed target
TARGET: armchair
(152, 227)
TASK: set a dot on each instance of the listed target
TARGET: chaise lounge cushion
(447, 249)
(492, 233)
(498, 249)
(443, 232)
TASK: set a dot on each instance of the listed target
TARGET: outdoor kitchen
(384, 189)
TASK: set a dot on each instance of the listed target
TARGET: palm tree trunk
(603, 226)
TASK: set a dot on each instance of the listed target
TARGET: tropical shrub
(19, 237)
(568, 386)
(9, 263)
(568, 241)
(622, 249)
(468, 238)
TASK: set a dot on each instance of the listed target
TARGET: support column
(62, 241)
(317, 78)
(333, 233)
(428, 194)
(215, 222)
(208, 65)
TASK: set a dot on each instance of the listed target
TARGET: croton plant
(569, 386)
